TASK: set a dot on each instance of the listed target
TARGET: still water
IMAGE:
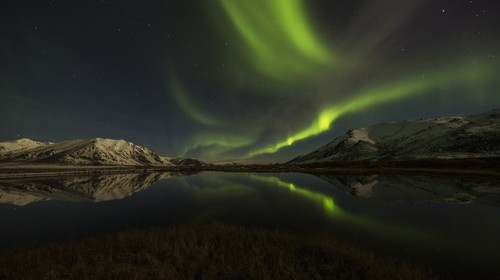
(449, 223)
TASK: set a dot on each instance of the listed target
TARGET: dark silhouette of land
(470, 166)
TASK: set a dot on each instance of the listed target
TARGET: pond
(449, 223)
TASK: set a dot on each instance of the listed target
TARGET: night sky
(250, 80)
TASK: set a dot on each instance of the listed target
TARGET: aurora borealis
(277, 35)
(246, 80)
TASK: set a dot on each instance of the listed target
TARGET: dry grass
(204, 252)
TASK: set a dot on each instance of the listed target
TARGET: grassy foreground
(204, 252)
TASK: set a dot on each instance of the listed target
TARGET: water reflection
(23, 191)
(324, 201)
(379, 211)
(327, 204)
(105, 187)
(412, 189)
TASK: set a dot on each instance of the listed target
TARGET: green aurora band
(378, 96)
(279, 37)
(279, 42)
(461, 75)
(217, 143)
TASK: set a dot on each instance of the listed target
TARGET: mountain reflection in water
(105, 187)
(411, 189)
(23, 191)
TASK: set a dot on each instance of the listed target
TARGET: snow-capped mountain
(96, 151)
(474, 136)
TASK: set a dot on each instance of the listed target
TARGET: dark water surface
(449, 223)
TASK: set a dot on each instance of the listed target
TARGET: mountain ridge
(473, 136)
(95, 151)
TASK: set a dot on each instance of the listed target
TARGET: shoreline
(473, 167)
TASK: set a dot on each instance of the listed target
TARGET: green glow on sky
(217, 143)
(377, 96)
(279, 40)
(182, 98)
(324, 201)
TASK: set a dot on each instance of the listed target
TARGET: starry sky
(240, 80)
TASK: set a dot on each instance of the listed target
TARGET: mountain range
(96, 151)
(474, 136)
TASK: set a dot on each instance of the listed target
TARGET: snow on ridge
(360, 134)
(118, 145)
